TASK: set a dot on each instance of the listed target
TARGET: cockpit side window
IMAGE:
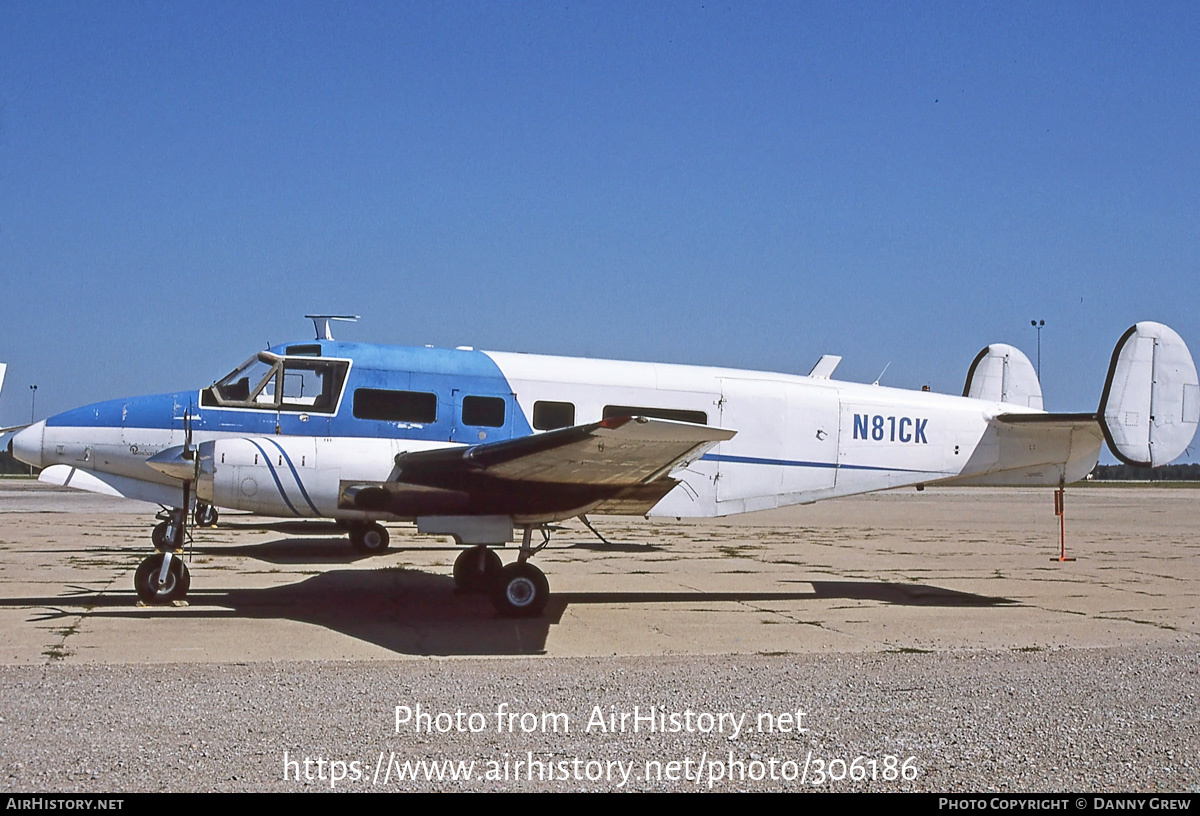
(310, 386)
(268, 382)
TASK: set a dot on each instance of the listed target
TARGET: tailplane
(1148, 414)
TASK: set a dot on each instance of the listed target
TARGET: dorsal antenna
(321, 323)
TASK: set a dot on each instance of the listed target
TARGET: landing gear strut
(521, 590)
(163, 577)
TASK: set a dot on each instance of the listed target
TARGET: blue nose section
(155, 411)
(110, 414)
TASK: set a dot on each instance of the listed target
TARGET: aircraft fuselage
(317, 415)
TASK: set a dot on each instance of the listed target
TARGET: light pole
(1037, 324)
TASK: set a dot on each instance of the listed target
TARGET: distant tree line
(10, 466)
(1129, 473)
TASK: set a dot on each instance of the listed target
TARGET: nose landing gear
(162, 578)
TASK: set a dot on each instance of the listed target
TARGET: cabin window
(487, 411)
(395, 406)
(548, 416)
(677, 414)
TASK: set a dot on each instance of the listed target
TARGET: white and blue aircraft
(475, 444)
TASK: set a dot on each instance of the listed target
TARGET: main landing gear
(205, 515)
(519, 590)
(475, 569)
(369, 538)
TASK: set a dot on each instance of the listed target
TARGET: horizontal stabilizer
(1002, 373)
(1064, 421)
(1031, 449)
(1151, 402)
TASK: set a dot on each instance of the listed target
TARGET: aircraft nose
(27, 444)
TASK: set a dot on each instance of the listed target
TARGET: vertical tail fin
(1002, 373)
(1151, 402)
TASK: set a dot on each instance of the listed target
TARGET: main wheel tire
(206, 515)
(175, 588)
(520, 591)
(158, 536)
(475, 569)
(369, 539)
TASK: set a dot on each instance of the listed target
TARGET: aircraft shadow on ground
(331, 547)
(292, 551)
(419, 613)
(307, 528)
(279, 551)
(611, 546)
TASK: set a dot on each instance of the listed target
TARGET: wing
(622, 464)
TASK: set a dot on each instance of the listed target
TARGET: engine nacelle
(294, 475)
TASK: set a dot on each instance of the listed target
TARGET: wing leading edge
(620, 465)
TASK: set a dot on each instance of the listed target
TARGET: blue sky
(750, 185)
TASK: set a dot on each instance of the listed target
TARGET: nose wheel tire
(369, 539)
(475, 569)
(520, 590)
(151, 591)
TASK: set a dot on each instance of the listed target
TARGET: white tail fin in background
(1151, 402)
(1002, 373)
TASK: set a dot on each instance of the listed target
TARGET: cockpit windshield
(271, 382)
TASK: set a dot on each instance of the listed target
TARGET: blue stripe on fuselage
(278, 484)
(295, 475)
(756, 460)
